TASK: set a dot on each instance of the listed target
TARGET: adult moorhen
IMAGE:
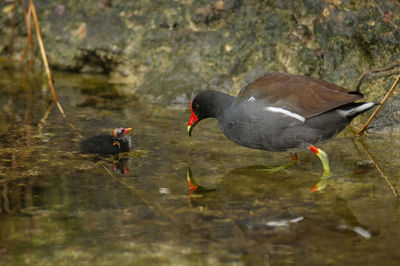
(281, 112)
(108, 144)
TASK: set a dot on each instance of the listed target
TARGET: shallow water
(60, 207)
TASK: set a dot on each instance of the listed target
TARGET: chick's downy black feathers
(107, 144)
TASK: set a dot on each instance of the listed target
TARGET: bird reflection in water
(270, 210)
(193, 186)
(119, 165)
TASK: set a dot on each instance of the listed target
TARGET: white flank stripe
(285, 112)
(284, 222)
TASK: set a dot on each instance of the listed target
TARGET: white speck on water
(251, 99)
(164, 190)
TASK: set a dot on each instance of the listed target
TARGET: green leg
(325, 164)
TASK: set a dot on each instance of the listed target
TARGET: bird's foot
(274, 169)
(116, 143)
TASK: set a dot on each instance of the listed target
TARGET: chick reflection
(119, 165)
(116, 163)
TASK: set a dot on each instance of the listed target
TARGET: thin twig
(379, 107)
(388, 70)
(72, 126)
(386, 17)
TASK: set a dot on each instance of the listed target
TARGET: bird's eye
(196, 107)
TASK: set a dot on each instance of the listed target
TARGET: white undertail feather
(356, 110)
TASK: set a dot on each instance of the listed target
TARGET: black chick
(108, 144)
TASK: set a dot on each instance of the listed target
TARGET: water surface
(60, 207)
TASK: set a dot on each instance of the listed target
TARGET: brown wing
(303, 95)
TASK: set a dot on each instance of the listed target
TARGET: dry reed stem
(30, 42)
(44, 57)
(10, 53)
(42, 121)
(378, 167)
